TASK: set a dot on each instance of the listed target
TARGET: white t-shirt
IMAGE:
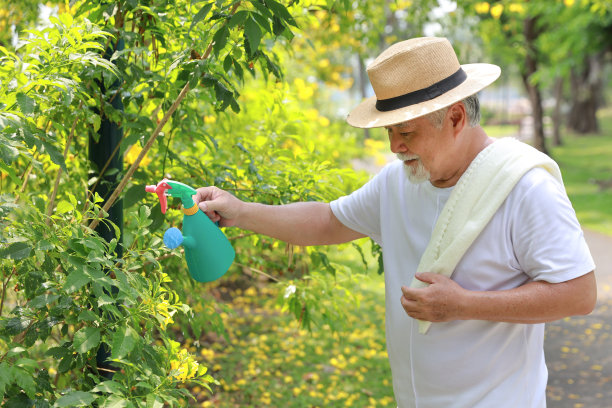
(533, 236)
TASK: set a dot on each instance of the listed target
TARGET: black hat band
(422, 95)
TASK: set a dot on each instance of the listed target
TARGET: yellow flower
(208, 354)
(304, 91)
(497, 10)
(311, 114)
(132, 154)
(516, 8)
(183, 366)
(482, 8)
(569, 3)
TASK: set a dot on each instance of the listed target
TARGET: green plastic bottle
(207, 251)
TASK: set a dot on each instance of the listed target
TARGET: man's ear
(458, 116)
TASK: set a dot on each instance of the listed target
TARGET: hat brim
(479, 76)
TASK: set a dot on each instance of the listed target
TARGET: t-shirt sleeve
(360, 210)
(548, 239)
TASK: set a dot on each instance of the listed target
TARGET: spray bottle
(207, 251)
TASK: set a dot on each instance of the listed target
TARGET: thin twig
(26, 175)
(59, 171)
(116, 93)
(242, 236)
(4, 285)
(258, 271)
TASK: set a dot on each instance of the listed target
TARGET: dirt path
(579, 349)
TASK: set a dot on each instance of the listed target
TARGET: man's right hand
(219, 205)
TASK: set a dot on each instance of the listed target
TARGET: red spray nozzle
(160, 190)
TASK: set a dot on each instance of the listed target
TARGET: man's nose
(397, 143)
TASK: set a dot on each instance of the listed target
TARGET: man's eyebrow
(400, 126)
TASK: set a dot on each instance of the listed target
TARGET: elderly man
(478, 236)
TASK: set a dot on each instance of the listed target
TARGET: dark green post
(109, 139)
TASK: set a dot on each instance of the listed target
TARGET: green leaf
(63, 207)
(253, 34)
(220, 39)
(43, 300)
(133, 195)
(6, 376)
(16, 251)
(76, 280)
(238, 18)
(15, 351)
(262, 21)
(57, 352)
(14, 325)
(200, 15)
(115, 401)
(24, 379)
(153, 401)
(88, 316)
(75, 399)
(86, 339)
(56, 156)
(124, 340)
(227, 62)
(144, 213)
(43, 383)
(110, 387)
(65, 363)
(281, 11)
(26, 104)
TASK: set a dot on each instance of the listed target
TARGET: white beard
(415, 173)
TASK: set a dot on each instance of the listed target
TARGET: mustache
(405, 157)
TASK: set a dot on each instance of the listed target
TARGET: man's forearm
(307, 223)
(534, 302)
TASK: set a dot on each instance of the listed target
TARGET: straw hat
(415, 77)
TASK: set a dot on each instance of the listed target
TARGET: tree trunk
(363, 85)
(533, 90)
(586, 87)
(556, 116)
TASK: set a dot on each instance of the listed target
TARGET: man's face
(419, 144)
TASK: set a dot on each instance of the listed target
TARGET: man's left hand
(439, 302)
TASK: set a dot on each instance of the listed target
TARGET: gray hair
(472, 109)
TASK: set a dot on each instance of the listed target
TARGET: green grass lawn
(270, 362)
(583, 161)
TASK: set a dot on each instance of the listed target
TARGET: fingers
(219, 205)
(426, 303)
(427, 277)
(413, 308)
(442, 300)
(204, 194)
(204, 198)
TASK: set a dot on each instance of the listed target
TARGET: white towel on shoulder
(476, 197)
